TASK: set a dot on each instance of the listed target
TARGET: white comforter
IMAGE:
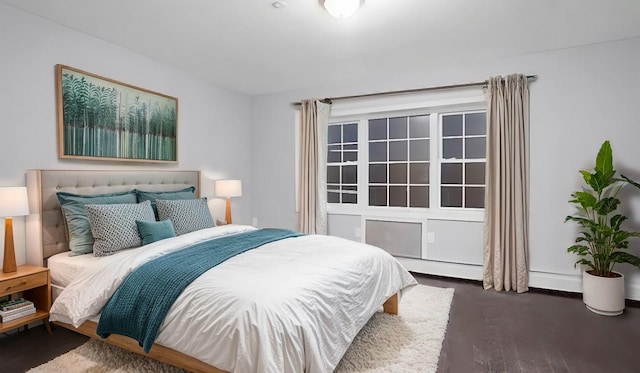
(293, 305)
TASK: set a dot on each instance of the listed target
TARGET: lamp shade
(228, 188)
(13, 201)
(341, 8)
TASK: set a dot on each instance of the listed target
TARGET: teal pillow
(152, 231)
(186, 193)
(76, 220)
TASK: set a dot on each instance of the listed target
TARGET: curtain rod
(328, 100)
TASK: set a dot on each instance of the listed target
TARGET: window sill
(407, 214)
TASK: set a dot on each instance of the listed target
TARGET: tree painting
(102, 118)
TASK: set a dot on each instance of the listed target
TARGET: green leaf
(607, 205)
(599, 180)
(604, 160)
(616, 220)
(584, 262)
(585, 199)
(580, 220)
(625, 257)
(578, 249)
(631, 181)
(586, 175)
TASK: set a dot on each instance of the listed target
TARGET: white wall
(584, 96)
(213, 124)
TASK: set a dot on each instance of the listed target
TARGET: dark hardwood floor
(488, 332)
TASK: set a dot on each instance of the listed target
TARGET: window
(421, 159)
(399, 161)
(342, 163)
(462, 164)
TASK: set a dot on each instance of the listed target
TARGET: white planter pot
(603, 295)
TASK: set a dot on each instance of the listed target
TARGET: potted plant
(601, 242)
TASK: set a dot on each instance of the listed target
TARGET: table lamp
(13, 202)
(228, 189)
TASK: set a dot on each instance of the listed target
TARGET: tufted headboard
(46, 234)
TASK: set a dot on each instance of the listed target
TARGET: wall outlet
(254, 222)
(357, 232)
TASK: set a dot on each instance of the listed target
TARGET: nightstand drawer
(23, 283)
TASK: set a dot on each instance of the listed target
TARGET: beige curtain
(506, 251)
(313, 167)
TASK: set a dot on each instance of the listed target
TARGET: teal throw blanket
(141, 303)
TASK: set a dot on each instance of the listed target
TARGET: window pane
(334, 154)
(350, 153)
(334, 136)
(452, 148)
(333, 197)
(349, 174)
(350, 156)
(350, 133)
(474, 173)
(349, 198)
(378, 129)
(350, 147)
(397, 150)
(419, 150)
(377, 173)
(419, 126)
(451, 196)
(333, 174)
(452, 125)
(475, 124)
(377, 196)
(398, 128)
(418, 196)
(398, 196)
(333, 188)
(377, 152)
(451, 173)
(398, 173)
(419, 173)
(350, 187)
(474, 197)
(475, 148)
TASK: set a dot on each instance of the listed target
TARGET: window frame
(433, 104)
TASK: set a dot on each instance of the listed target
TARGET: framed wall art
(103, 119)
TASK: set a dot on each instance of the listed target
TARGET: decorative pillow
(152, 231)
(114, 226)
(187, 193)
(76, 220)
(187, 215)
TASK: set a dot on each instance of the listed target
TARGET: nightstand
(35, 284)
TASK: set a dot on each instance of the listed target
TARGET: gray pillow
(76, 220)
(186, 193)
(187, 215)
(114, 226)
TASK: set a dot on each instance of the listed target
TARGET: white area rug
(408, 343)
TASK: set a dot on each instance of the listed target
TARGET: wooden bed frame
(46, 236)
(169, 355)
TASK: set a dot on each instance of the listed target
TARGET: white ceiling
(251, 47)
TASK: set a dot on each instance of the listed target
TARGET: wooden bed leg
(391, 305)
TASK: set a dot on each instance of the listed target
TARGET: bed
(287, 306)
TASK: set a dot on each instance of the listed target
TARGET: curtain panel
(313, 167)
(506, 250)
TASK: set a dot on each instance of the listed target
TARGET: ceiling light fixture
(341, 8)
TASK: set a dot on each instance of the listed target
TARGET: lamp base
(227, 215)
(9, 261)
